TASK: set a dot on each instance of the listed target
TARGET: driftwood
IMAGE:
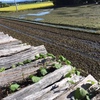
(43, 83)
(22, 72)
(10, 51)
(54, 90)
(8, 61)
(67, 94)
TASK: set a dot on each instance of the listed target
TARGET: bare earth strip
(83, 49)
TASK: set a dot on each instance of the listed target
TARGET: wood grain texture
(54, 90)
(67, 95)
(10, 51)
(22, 72)
(5, 40)
(46, 81)
(8, 61)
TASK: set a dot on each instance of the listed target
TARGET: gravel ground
(83, 49)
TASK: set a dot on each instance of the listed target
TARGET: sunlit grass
(27, 6)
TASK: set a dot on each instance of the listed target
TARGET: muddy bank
(82, 49)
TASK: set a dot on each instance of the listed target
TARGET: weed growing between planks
(36, 76)
(44, 70)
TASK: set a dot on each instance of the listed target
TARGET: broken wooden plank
(60, 90)
(10, 51)
(8, 61)
(44, 82)
(54, 90)
(37, 95)
(67, 94)
(22, 72)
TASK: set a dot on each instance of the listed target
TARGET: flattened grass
(27, 6)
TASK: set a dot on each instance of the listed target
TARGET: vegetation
(43, 71)
(14, 87)
(85, 16)
(2, 5)
(57, 65)
(73, 71)
(27, 6)
(2, 69)
(79, 94)
(35, 79)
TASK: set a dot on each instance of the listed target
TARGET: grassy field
(27, 6)
(87, 16)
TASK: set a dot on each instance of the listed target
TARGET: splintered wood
(52, 86)
(13, 52)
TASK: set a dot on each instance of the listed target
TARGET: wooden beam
(10, 51)
(54, 90)
(47, 80)
(10, 44)
(5, 40)
(22, 72)
(8, 61)
(68, 93)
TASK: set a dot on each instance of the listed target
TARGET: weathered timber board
(54, 90)
(47, 80)
(39, 94)
(1, 33)
(8, 61)
(5, 36)
(68, 93)
(60, 90)
(10, 45)
(10, 51)
(22, 72)
(7, 40)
